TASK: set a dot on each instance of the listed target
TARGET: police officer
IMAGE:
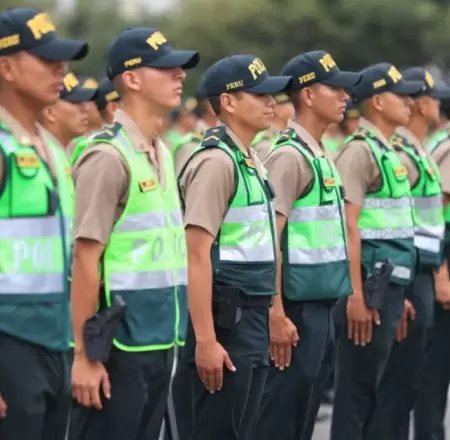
(315, 270)
(396, 390)
(431, 400)
(34, 202)
(95, 119)
(230, 233)
(184, 147)
(68, 118)
(379, 226)
(107, 100)
(129, 229)
(283, 113)
(181, 121)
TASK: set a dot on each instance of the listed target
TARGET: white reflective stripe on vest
(148, 220)
(386, 234)
(430, 231)
(317, 256)
(429, 244)
(24, 228)
(31, 283)
(147, 280)
(402, 202)
(427, 202)
(401, 272)
(241, 253)
(313, 213)
(246, 214)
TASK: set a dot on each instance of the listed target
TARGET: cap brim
(272, 85)
(439, 93)
(344, 80)
(187, 59)
(81, 94)
(60, 49)
(407, 88)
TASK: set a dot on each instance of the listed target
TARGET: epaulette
(197, 135)
(362, 133)
(398, 142)
(213, 136)
(288, 133)
(107, 132)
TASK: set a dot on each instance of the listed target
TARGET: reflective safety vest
(428, 213)
(331, 144)
(386, 218)
(36, 212)
(314, 248)
(244, 251)
(434, 143)
(145, 260)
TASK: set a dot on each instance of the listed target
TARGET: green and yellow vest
(244, 252)
(145, 260)
(428, 213)
(386, 219)
(435, 140)
(36, 211)
(314, 247)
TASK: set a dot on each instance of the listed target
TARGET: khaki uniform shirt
(26, 139)
(263, 148)
(290, 172)
(442, 157)
(207, 186)
(183, 154)
(358, 168)
(102, 179)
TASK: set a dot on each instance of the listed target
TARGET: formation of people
(295, 229)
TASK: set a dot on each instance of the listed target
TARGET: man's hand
(210, 357)
(3, 408)
(87, 377)
(409, 313)
(443, 293)
(360, 320)
(283, 336)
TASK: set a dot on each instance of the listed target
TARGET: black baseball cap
(429, 87)
(106, 93)
(384, 77)
(242, 73)
(352, 111)
(88, 82)
(139, 47)
(74, 92)
(31, 30)
(318, 67)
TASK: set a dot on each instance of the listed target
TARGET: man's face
(284, 112)
(430, 109)
(33, 77)
(328, 102)
(72, 119)
(94, 116)
(395, 108)
(255, 111)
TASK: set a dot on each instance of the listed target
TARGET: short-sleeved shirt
(357, 166)
(289, 171)
(442, 157)
(207, 185)
(183, 154)
(102, 178)
(26, 139)
(413, 171)
(263, 147)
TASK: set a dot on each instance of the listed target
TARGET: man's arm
(441, 276)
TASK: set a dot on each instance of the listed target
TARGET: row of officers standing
(271, 260)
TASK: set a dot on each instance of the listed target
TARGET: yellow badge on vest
(430, 171)
(400, 172)
(329, 182)
(249, 162)
(147, 185)
(27, 161)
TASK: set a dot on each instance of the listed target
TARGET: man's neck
(385, 127)
(211, 121)
(147, 120)
(244, 134)
(419, 128)
(27, 114)
(311, 123)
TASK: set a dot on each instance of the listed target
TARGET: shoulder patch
(398, 142)
(107, 132)
(289, 133)
(213, 136)
(197, 135)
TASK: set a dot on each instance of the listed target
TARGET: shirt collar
(364, 123)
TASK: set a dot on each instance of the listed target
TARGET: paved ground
(322, 431)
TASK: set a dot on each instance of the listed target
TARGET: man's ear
(48, 114)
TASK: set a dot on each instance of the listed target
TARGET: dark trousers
(231, 413)
(431, 400)
(35, 383)
(359, 369)
(292, 397)
(139, 388)
(398, 386)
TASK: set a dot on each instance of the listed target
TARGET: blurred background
(355, 32)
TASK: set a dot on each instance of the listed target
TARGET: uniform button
(215, 243)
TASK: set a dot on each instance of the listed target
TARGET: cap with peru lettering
(318, 67)
(106, 93)
(429, 86)
(30, 30)
(146, 47)
(242, 73)
(382, 78)
(74, 92)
